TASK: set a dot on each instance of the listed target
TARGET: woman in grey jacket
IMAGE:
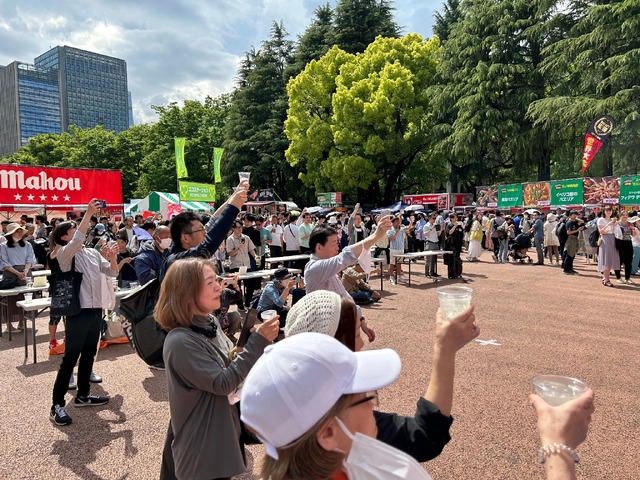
(204, 433)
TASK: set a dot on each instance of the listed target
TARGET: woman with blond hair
(204, 433)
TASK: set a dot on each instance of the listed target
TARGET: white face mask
(371, 459)
(165, 243)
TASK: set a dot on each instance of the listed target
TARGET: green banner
(510, 195)
(181, 167)
(217, 156)
(197, 192)
(566, 192)
(630, 190)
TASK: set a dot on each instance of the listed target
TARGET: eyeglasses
(370, 397)
(196, 231)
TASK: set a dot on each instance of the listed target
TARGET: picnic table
(302, 256)
(35, 307)
(8, 302)
(416, 255)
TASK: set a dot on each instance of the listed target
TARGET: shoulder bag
(65, 300)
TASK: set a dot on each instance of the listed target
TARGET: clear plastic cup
(134, 285)
(453, 300)
(268, 315)
(558, 389)
(28, 297)
(244, 176)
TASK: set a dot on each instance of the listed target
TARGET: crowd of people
(609, 238)
(301, 385)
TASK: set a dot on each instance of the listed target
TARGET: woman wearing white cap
(310, 399)
(424, 435)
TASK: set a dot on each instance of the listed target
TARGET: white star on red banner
(30, 197)
(67, 198)
(17, 196)
(54, 198)
(43, 197)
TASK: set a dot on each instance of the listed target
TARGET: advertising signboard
(566, 192)
(510, 195)
(63, 188)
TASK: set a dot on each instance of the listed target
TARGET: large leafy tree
(596, 70)
(359, 22)
(202, 126)
(254, 136)
(316, 40)
(487, 79)
(361, 121)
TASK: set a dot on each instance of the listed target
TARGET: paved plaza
(543, 321)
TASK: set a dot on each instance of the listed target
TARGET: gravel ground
(546, 322)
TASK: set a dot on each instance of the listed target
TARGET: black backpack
(561, 232)
(593, 238)
(136, 313)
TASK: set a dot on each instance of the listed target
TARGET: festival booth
(438, 201)
(54, 191)
(168, 204)
(588, 193)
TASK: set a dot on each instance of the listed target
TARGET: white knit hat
(317, 311)
(297, 381)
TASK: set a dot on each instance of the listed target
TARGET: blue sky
(174, 49)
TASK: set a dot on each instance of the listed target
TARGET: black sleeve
(211, 242)
(422, 436)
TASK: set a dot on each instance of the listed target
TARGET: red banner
(597, 133)
(23, 186)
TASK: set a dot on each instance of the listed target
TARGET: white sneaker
(392, 280)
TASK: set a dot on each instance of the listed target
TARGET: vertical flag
(217, 156)
(597, 134)
(181, 167)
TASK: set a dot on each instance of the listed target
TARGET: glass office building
(39, 100)
(66, 86)
(93, 88)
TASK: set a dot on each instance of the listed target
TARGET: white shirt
(430, 232)
(276, 231)
(291, 236)
(241, 259)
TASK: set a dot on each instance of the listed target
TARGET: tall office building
(29, 105)
(90, 89)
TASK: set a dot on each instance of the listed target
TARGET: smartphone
(103, 203)
(249, 322)
(242, 241)
(385, 212)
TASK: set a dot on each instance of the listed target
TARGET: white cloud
(183, 49)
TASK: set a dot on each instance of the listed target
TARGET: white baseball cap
(299, 379)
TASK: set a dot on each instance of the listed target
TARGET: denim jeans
(503, 252)
(635, 261)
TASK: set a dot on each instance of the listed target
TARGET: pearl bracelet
(557, 448)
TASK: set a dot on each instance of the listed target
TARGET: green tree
(358, 23)
(316, 40)
(254, 137)
(489, 75)
(201, 124)
(596, 70)
(361, 121)
(444, 21)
